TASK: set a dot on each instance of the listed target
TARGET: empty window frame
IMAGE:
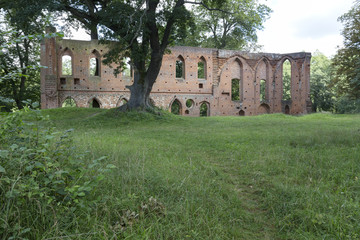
(262, 90)
(69, 102)
(202, 68)
(204, 109)
(176, 107)
(66, 65)
(235, 89)
(94, 64)
(180, 67)
(286, 78)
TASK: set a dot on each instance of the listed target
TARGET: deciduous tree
(347, 60)
(20, 29)
(233, 28)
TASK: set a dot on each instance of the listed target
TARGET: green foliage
(286, 77)
(233, 27)
(346, 62)
(179, 69)
(235, 89)
(21, 31)
(44, 180)
(201, 70)
(69, 102)
(176, 108)
(345, 104)
(321, 92)
(203, 110)
(262, 90)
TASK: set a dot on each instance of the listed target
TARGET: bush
(44, 181)
(346, 105)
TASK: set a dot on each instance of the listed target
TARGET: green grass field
(264, 177)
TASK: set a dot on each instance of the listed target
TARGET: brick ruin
(190, 79)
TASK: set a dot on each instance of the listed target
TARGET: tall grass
(264, 177)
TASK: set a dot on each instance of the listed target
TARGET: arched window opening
(286, 77)
(95, 103)
(66, 65)
(263, 109)
(204, 109)
(262, 90)
(235, 89)
(287, 109)
(202, 68)
(127, 70)
(122, 102)
(189, 103)
(241, 113)
(180, 67)
(69, 102)
(176, 107)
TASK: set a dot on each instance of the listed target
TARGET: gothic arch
(262, 80)
(122, 100)
(263, 109)
(202, 68)
(95, 63)
(175, 107)
(94, 102)
(180, 67)
(204, 109)
(62, 61)
(69, 102)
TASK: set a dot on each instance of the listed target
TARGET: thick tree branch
(207, 7)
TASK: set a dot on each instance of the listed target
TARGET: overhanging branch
(207, 7)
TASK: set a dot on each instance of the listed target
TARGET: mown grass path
(264, 177)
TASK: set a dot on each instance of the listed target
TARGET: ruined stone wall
(213, 89)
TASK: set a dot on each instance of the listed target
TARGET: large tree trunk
(143, 83)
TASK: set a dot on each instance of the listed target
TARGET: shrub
(44, 180)
(347, 105)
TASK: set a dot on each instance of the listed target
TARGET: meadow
(263, 177)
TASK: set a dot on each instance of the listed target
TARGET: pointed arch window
(202, 68)
(204, 109)
(176, 107)
(67, 63)
(180, 67)
(95, 103)
(262, 90)
(235, 89)
(94, 63)
(69, 102)
(286, 77)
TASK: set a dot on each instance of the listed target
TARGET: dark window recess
(201, 85)
(62, 81)
(95, 104)
(76, 81)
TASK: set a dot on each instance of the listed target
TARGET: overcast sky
(296, 26)
(303, 25)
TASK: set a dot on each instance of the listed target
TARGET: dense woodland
(144, 31)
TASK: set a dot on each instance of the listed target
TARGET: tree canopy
(233, 28)
(21, 29)
(347, 60)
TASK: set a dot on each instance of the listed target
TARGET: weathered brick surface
(215, 90)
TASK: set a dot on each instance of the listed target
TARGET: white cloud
(305, 25)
